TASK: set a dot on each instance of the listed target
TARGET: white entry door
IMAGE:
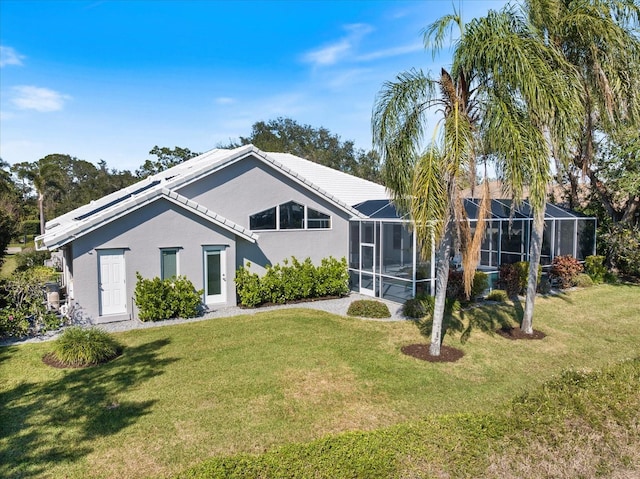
(215, 280)
(111, 282)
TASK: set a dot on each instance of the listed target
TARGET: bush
(292, 281)
(332, 277)
(544, 285)
(513, 277)
(583, 281)
(565, 269)
(26, 311)
(13, 323)
(31, 258)
(159, 299)
(622, 246)
(78, 347)
(499, 295)
(455, 285)
(611, 278)
(248, 287)
(368, 308)
(595, 268)
(418, 307)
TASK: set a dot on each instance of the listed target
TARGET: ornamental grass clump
(79, 347)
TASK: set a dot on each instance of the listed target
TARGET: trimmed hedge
(368, 308)
(159, 299)
(292, 281)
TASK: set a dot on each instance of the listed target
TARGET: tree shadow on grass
(485, 318)
(55, 421)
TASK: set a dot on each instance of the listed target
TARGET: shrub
(513, 277)
(565, 269)
(418, 307)
(368, 308)
(583, 281)
(79, 347)
(292, 281)
(622, 246)
(611, 278)
(248, 287)
(544, 285)
(595, 268)
(159, 299)
(13, 323)
(455, 285)
(27, 311)
(31, 258)
(499, 295)
(332, 277)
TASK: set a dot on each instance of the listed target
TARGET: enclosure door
(111, 282)
(215, 281)
(367, 266)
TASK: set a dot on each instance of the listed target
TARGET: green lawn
(181, 394)
(8, 266)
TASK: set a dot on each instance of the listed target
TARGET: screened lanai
(384, 260)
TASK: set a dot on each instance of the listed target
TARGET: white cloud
(38, 99)
(8, 56)
(225, 100)
(340, 49)
(391, 52)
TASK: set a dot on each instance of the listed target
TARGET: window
(168, 263)
(317, 220)
(265, 220)
(289, 216)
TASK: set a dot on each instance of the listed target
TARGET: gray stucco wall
(141, 234)
(236, 192)
(250, 186)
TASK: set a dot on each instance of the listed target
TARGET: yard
(181, 394)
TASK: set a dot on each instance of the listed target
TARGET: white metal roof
(340, 188)
(348, 188)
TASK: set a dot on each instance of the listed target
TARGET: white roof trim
(57, 238)
(67, 227)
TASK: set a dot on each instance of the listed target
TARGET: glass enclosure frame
(385, 261)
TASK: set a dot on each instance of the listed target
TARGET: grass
(180, 394)
(8, 266)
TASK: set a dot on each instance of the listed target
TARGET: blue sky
(110, 79)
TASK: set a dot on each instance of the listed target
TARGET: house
(203, 219)
(214, 213)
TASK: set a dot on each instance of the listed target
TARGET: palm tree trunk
(535, 250)
(41, 207)
(443, 254)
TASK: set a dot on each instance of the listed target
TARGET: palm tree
(43, 176)
(426, 183)
(531, 106)
(516, 105)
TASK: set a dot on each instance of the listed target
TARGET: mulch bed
(516, 333)
(50, 359)
(421, 351)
